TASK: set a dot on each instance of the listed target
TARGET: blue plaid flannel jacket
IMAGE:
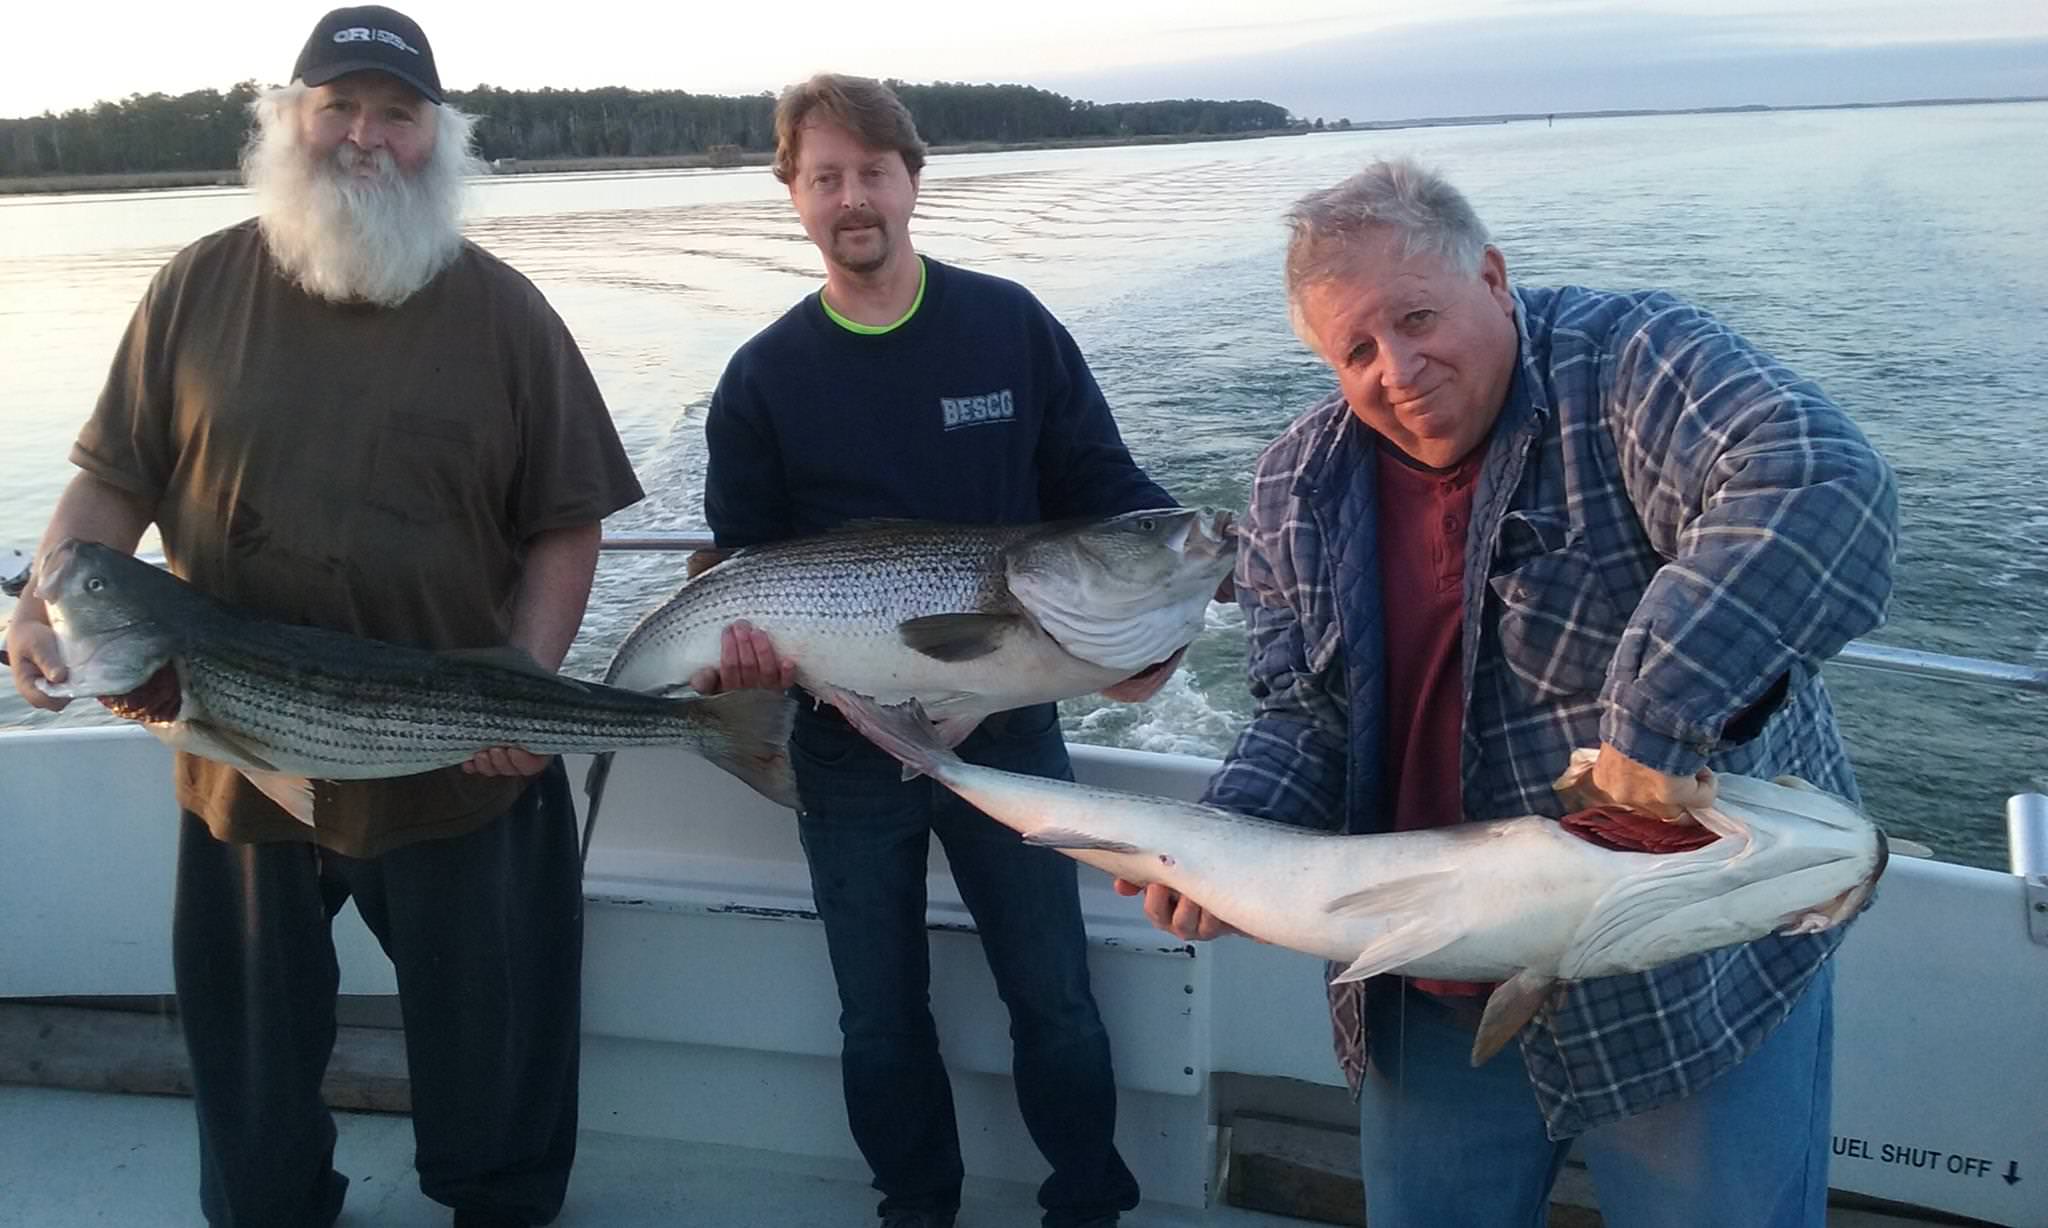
(1668, 524)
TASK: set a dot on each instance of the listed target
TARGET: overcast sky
(1362, 60)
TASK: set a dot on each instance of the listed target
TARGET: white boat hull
(710, 1014)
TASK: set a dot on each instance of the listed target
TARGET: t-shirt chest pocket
(1558, 628)
(427, 468)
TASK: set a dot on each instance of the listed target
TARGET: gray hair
(376, 240)
(1325, 227)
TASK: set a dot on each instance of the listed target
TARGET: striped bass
(969, 620)
(288, 705)
(1519, 901)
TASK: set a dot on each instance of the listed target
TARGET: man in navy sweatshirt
(910, 388)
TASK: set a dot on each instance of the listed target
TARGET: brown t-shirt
(373, 470)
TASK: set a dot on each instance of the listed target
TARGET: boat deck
(78, 1158)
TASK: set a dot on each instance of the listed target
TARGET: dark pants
(486, 933)
(867, 834)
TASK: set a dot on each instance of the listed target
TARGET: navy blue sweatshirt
(977, 410)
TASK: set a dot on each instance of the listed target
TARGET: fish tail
(903, 730)
(746, 733)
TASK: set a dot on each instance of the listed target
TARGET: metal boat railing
(1860, 653)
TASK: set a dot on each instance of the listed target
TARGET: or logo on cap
(364, 34)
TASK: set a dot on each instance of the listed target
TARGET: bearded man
(341, 413)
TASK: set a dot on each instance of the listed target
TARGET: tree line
(204, 130)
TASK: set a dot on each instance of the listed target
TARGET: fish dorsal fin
(1513, 1003)
(1067, 838)
(957, 637)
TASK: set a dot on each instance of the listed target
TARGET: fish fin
(293, 794)
(230, 746)
(953, 730)
(1407, 942)
(957, 637)
(1066, 838)
(1899, 846)
(901, 729)
(1513, 1004)
(1393, 896)
(750, 740)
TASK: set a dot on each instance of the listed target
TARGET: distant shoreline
(145, 181)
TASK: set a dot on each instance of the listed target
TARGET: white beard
(347, 237)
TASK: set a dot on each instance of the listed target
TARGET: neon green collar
(876, 330)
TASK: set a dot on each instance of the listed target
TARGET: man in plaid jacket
(1528, 521)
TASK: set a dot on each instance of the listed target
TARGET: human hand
(1624, 782)
(701, 561)
(746, 658)
(1144, 684)
(1175, 913)
(505, 761)
(33, 653)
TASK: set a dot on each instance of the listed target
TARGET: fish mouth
(1211, 533)
(1845, 906)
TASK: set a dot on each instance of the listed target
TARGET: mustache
(857, 218)
(348, 156)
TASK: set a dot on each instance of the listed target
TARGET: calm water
(1898, 257)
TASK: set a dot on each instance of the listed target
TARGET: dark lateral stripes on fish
(969, 619)
(286, 703)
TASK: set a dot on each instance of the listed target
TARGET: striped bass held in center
(1524, 902)
(288, 705)
(969, 620)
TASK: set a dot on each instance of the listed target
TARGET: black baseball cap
(369, 37)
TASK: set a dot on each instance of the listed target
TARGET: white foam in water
(1181, 718)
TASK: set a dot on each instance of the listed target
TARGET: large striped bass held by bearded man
(288, 705)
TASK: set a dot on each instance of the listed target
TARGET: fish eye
(1147, 524)
(95, 584)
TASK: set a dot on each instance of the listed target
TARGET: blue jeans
(1444, 1144)
(867, 835)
